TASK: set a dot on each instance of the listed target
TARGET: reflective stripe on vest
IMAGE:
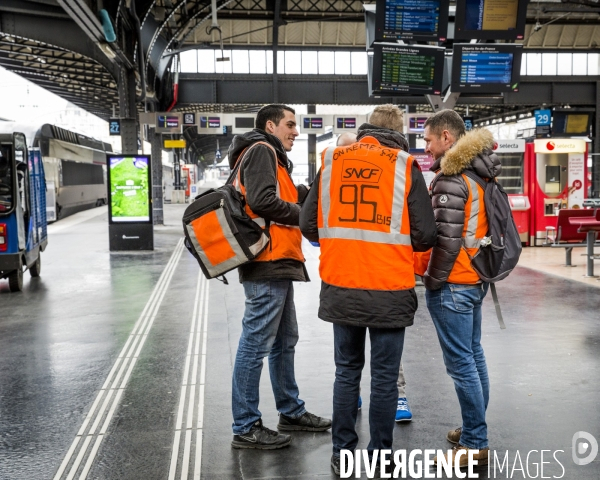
(470, 239)
(393, 236)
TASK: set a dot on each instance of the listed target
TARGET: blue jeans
(269, 328)
(456, 313)
(386, 352)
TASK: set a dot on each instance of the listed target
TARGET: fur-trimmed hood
(472, 151)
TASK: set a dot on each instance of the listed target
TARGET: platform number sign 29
(542, 118)
(114, 126)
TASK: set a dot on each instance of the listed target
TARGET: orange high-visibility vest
(286, 240)
(364, 228)
(474, 229)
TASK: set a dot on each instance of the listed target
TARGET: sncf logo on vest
(359, 171)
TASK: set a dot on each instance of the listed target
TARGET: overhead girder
(56, 32)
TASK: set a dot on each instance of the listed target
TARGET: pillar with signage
(558, 180)
(130, 202)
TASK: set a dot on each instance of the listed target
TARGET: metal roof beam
(58, 32)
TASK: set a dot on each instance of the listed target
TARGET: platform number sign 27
(542, 118)
(114, 126)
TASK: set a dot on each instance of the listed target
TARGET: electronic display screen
(168, 121)
(129, 188)
(346, 122)
(417, 124)
(244, 122)
(486, 68)
(570, 123)
(212, 122)
(490, 19)
(313, 122)
(411, 19)
(404, 69)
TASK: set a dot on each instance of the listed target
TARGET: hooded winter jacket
(459, 208)
(373, 301)
(258, 175)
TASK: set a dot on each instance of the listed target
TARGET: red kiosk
(555, 173)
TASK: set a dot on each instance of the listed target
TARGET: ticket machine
(513, 179)
(557, 179)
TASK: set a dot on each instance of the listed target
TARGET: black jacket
(375, 308)
(259, 176)
(449, 197)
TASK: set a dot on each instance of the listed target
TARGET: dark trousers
(386, 352)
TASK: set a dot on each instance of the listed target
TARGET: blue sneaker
(359, 402)
(403, 413)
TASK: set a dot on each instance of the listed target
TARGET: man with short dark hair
(370, 210)
(269, 326)
(454, 290)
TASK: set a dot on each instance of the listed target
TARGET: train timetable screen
(414, 16)
(313, 122)
(400, 69)
(491, 14)
(129, 189)
(482, 67)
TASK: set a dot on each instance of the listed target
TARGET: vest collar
(369, 139)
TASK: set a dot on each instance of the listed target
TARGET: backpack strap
(241, 158)
(497, 306)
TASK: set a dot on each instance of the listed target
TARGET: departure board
(407, 69)
(490, 19)
(487, 68)
(411, 19)
(481, 67)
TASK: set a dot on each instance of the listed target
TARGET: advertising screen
(129, 188)
(411, 19)
(486, 68)
(168, 121)
(346, 122)
(313, 122)
(244, 122)
(490, 19)
(210, 122)
(407, 69)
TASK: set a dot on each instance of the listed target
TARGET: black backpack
(501, 248)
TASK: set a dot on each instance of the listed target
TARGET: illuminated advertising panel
(129, 189)
(168, 122)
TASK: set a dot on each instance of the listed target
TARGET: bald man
(345, 139)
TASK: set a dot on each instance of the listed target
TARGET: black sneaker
(307, 422)
(335, 464)
(262, 438)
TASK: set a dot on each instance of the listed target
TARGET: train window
(6, 180)
(77, 173)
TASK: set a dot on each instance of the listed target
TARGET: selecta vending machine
(555, 178)
(513, 178)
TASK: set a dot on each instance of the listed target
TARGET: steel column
(312, 148)
(156, 143)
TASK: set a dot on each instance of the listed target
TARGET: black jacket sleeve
(450, 195)
(423, 230)
(309, 212)
(259, 176)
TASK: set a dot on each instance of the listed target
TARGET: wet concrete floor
(118, 366)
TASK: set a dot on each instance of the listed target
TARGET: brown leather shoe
(454, 436)
(481, 456)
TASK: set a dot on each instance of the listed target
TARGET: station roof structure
(62, 46)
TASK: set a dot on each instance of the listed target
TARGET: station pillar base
(130, 237)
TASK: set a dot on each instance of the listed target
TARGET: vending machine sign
(129, 189)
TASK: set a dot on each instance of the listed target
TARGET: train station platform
(118, 366)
